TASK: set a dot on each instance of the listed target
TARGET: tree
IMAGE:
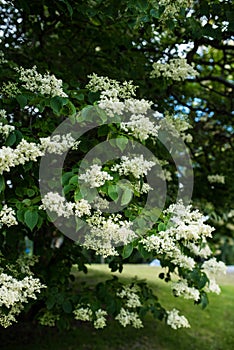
(134, 40)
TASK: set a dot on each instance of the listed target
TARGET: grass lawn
(211, 329)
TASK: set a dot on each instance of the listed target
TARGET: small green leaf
(162, 227)
(57, 103)
(67, 306)
(11, 139)
(113, 192)
(127, 250)
(22, 100)
(2, 183)
(31, 218)
(121, 143)
(126, 196)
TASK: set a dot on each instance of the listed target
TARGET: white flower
(112, 87)
(126, 317)
(95, 177)
(14, 293)
(7, 216)
(212, 287)
(82, 207)
(216, 179)
(57, 144)
(83, 313)
(181, 288)
(136, 166)
(140, 127)
(175, 321)
(213, 267)
(100, 321)
(3, 113)
(177, 69)
(57, 204)
(107, 233)
(6, 129)
(129, 293)
(46, 84)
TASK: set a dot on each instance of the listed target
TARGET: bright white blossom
(136, 166)
(175, 321)
(129, 293)
(107, 233)
(213, 267)
(3, 113)
(177, 69)
(47, 85)
(220, 179)
(140, 127)
(126, 317)
(111, 87)
(95, 177)
(100, 321)
(10, 89)
(82, 207)
(83, 313)
(57, 144)
(6, 129)
(14, 293)
(7, 216)
(181, 288)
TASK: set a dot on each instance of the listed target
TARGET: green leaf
(2, 183)
(22, 100)
(162, 227)
(121, 143)
(31, 218)
(11, 139)
(127, 250)
(67, 306)
(113, 192)
(57, 103)
(126, 196)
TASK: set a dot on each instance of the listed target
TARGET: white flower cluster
(99, 83)
(24, 152)
(136, 166)
(7, 216)
(180, 124)
(57, 144)
(95, 177)
(187, 225)
(53, 202)
(100, 321)
(175, 321)
(126, 317)
(172, 8)
(129, 293)
(47, 85)
(6, 129)
(177, 69)
(3, 113)
(220, 179)
(181, 288)
(140, 127)
(213, 267)
(14, 293)
(84, 313)
(48, 319)
(10, 89)
(107, 233)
